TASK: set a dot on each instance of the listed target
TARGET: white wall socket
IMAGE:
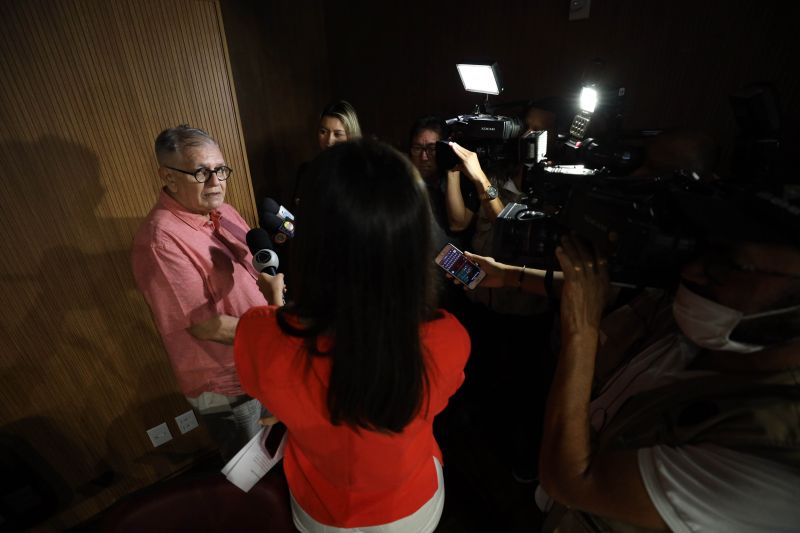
(159, 434)
(186, 421)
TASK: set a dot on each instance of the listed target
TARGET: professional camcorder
(646, 226)
(486, 135)
(504, 141)
(492, 136)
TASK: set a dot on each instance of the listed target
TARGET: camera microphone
(277, 220)
(280, 229)
(264, 257)
(271, 206)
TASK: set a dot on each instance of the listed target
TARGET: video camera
(638, 223)
(504, 141)
(487, 135)
(493, 137)
(646, 225)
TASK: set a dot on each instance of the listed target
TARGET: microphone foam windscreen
(270, 206)
(258, 239)
(272, 222)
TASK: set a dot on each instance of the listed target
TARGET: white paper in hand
(253, 461)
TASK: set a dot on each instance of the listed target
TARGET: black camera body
(640, 224)
(481, 126)
(647, 227)
(487, 135)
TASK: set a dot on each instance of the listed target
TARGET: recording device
(647, 226)
(277, 221)
(271, 206)
(455, 263)
(482, 132)
(639, 224)
(280, 229)
(274, 438)
(264, 257)
(487, 135)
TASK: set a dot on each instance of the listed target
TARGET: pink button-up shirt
(191, 268)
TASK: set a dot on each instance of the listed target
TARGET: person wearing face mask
(674, 413)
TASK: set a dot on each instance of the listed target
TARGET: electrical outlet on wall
(186, 421)
(159, 434)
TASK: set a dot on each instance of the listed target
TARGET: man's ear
(168, 177)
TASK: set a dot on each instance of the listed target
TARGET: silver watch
(491, 192)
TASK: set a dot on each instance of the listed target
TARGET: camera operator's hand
(470, 165)
(586, 288)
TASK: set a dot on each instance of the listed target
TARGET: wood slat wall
(87, 85)
(279, 59)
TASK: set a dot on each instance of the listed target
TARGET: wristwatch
(491, 193)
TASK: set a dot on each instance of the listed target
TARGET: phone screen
(455, 262)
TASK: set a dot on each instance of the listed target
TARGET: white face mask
(709, 324)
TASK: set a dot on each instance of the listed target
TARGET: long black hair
(362, 276)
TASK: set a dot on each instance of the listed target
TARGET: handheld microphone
(280, 229)
(271, 206)
(264, 257)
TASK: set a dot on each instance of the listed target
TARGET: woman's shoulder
(442, 319)
(261, 348)
(259, 314)
(255, 324)
(444, 335)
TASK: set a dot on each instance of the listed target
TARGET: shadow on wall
(31, 490)
(80, 346)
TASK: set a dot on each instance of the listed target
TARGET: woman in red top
(359, 362)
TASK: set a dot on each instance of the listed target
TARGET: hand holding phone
(455, 263)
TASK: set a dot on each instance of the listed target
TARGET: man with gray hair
(191, 262)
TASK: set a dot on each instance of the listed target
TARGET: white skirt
(423, 520)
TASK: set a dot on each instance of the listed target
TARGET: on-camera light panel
(478, 78)
(588, 99)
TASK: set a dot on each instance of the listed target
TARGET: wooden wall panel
(279, 59)
(87, 86)
(679, 60)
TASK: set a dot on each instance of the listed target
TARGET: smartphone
(455, 263)
(274, 437)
